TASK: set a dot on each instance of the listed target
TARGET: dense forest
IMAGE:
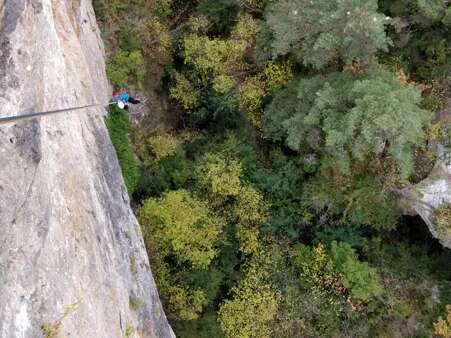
(266, 175)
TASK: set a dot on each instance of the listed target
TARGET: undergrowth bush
(118, 126)
(126, 68)
(443, 220)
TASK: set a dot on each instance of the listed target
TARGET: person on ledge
(122, 98)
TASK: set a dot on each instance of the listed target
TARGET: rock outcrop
(72, 257)
(434, 192)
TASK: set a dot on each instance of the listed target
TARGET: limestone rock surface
(434, 192)
(72, 257)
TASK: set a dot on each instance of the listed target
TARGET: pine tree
(321, 31)
(347, 118)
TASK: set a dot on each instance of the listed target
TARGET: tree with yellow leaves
(251, 211)
(180, 226)
(219, 60)
(183, 226)
(184, 92)
(254, 302)
(442, 327)
(222, 178)
(253, 90)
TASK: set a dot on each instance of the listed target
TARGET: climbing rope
(9, 119)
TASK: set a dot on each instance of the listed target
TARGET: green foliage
(171, 173)
(282, 107)
(400, 262)
(118, 127)
(111, 9)
(251, 211)
(184, 92)
(220, 176)
(317, 272)
(181, 225)
(205, 327)
(405, 260)
(447, 18)
(255, 88)
(360, 200)
(437, 51)
(133, 264)
(335, 271)
(236, 144)
(320, 32)
(251, 99)
(361, 280)
(282, 187)
(129, 331)
(217, 61)
(209, 280)
(429, 11)
(421, 36)
(318, 305)
(314, 300)
(374, 121)
(139, 40)
(253, 305)
(351, 236)
(153, 31)
(354, 118)
(217, 111)
(128, 41)
(367, 205)
(221, 13)
(134, 302)
(249, 313)
(183, 231)
(214, 59)
(186, 303)
(126, 68)
(164, 145)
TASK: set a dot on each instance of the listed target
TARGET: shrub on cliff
(118, 127)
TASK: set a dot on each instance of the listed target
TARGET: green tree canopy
(318, 32)
(181, 225)
(254, 301)
(328, 271)
(361, 280)
(347, 117)
(221, 13)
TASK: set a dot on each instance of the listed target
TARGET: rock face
(72, 257)
(431, 194)
(434, 192)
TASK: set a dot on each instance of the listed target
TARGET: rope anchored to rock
(10, 119)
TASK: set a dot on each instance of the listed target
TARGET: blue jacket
(122, 96)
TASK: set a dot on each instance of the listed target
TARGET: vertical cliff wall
(72, 256)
